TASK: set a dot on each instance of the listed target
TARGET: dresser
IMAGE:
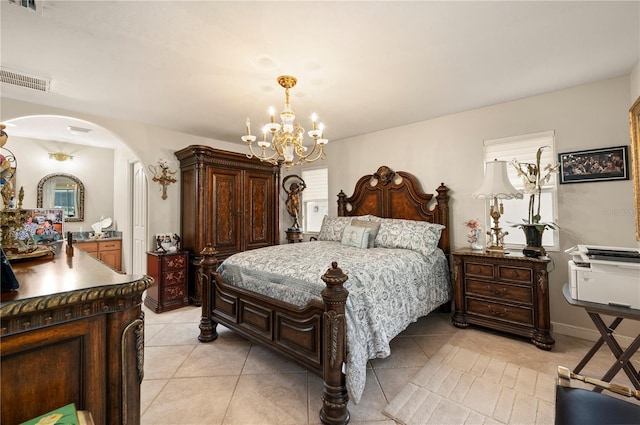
(169, 270)
(108, 251)
(227, 200)
(508, 293)
(72, 333)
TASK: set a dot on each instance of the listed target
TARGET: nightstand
(169, 270)
(294, 235)
(508, 293)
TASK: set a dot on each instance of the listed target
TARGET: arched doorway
(100, 159)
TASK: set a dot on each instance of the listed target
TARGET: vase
(533, 235)
(476, 245)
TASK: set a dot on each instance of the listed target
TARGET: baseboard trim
(585, 333)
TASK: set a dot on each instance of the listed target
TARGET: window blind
(524, 149)
(317, 184)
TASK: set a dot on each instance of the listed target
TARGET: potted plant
(534, 178)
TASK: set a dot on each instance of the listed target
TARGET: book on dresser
(65, 415)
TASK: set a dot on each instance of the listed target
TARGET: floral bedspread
(388, 290)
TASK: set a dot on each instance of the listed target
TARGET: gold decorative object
(496, 185)
(634, 118)
(8, 165)
(12, 221)
(59, 156)
(287, 138)
(163, 175)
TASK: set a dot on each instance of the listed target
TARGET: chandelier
(286, 145)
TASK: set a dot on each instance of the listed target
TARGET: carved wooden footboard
(314, 336)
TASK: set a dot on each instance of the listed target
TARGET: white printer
(605, 275)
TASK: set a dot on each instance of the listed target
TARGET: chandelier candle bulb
(248, 123)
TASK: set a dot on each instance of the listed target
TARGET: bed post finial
(342, 204)
(443, 211)
(204, 278)
(334, 395)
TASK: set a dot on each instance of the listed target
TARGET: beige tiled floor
(231, 381)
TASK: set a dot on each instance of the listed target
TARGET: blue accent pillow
(355, 236)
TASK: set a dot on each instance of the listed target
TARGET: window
(315, 199)
(524, 149)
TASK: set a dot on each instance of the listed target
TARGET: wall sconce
(163, 175)
(59, 156)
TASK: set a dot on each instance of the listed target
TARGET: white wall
(635, 83)
(450, 150)
(34, 163)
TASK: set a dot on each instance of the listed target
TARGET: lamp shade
(496, 183)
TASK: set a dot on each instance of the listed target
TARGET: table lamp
(496, 185)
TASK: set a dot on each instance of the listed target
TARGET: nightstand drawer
(173, 292)
(515, 274)
(176, 277)
(499, 291)
(478, 269)
(175, 262)
(502, 312)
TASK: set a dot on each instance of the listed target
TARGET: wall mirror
(60, 190)
(635, 159)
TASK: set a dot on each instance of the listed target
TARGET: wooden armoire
(227, 200)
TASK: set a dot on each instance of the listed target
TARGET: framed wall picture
(594, 165)
(634, 115)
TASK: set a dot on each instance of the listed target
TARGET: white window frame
(317, 191)
(524, 148)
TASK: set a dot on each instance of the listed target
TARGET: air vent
(25, 80)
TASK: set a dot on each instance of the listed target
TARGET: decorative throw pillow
(332, 228)
(419, 236)
(373, 227)
(355, 236)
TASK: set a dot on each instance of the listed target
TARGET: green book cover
(65, 415)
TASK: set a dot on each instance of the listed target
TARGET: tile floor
(231, 381)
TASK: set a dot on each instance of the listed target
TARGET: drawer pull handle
(496, 312)
(502, 291)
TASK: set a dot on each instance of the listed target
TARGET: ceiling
(203, 67)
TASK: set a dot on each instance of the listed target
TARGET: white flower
(533, 180)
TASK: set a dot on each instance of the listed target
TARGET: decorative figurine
(159, 247)
(473, 237)
(293, 198)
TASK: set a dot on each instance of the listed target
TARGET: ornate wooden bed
(315, 336)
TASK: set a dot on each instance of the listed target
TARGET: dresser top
(43, 277)
(510, 255)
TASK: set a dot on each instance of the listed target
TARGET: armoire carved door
(227, 200)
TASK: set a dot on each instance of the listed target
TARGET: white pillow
(356, 236)
(332, 227)
(373, 227)
(419, 236)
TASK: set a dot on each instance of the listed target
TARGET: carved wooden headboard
(397, 194)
